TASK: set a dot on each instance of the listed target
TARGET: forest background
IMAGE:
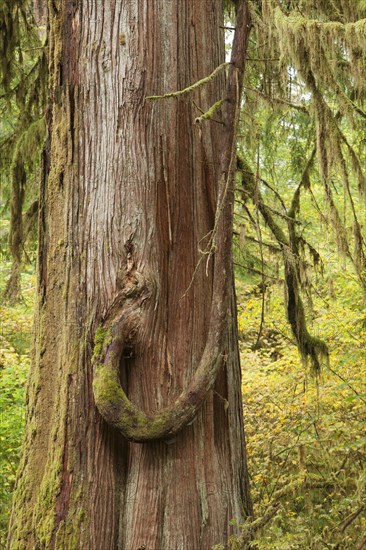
(300, 259)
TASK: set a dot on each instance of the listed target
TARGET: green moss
(107, 390)
(116, 409)
(102, 339)
(211, 111)
(45, 512)
(59, 150)
(68, 533)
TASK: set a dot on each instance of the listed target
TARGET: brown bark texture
(129, 193)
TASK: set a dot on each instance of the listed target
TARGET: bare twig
(350, 519)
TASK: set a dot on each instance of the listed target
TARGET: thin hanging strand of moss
(356, 163)
(191, 88)
(330, 137)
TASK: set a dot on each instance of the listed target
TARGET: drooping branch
(280, 100)
(309, 346)
(122, 325)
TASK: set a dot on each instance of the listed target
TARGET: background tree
(23, 88)
(131, 190)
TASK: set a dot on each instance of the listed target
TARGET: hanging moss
(326, 43)
(311, 348)
(23, 90)
(322, 46)
(328, 38)
(23, 162)
(13, 15)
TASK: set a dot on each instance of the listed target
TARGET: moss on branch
(191, 88)
(211, 111)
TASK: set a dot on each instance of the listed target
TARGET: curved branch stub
(112, 401)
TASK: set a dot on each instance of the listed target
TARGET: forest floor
(306, 432)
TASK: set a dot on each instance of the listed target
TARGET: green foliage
(15, 340)
(23, 91)
(305, 435)
(305, 90)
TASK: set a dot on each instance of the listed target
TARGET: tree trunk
(128, 185)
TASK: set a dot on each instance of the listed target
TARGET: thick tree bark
(130, 187)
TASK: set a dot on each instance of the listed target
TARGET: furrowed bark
(109, 395)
